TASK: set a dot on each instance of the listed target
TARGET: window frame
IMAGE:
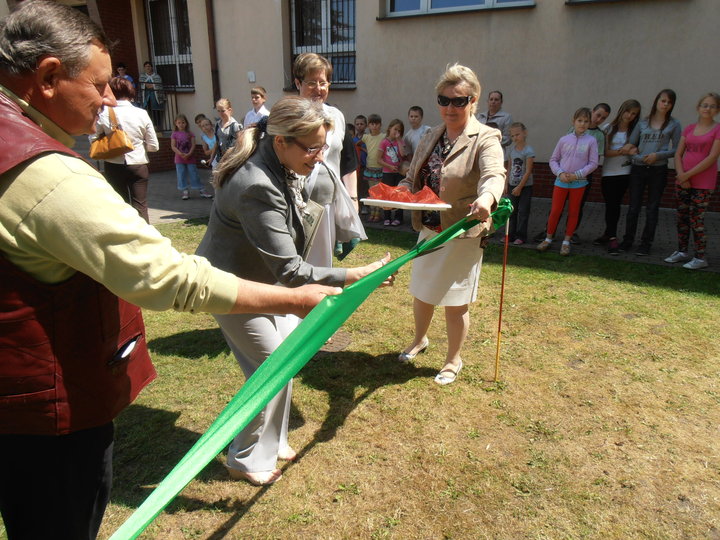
(482, 5)
(326, 47)
(176, 58)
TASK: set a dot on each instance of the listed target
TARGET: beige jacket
(474, 166)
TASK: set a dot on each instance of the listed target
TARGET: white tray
(406, 205)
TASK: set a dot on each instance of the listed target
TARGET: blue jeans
(183, 171)
(653, 179)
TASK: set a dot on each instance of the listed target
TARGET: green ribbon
(277, 370)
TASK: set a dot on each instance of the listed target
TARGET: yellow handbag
(111, 146)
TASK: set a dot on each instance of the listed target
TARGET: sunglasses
(457, 102)
(310, 151)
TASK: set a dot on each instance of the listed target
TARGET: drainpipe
(212, 45)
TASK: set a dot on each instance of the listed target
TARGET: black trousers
(651, 179)
(55, 487)
(131, 183)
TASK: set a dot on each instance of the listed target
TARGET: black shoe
(624, 246)
(643, 250)
(575, 239)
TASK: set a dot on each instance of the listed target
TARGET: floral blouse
(430, 174)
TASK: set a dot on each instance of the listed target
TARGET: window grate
(326, 27)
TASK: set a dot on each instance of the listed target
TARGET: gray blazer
(255, 230)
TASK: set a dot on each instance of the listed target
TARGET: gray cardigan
(255, 230)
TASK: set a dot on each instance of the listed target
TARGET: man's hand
(309, 296)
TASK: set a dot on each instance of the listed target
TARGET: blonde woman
(226, 128)
(461, 160)
(257, 229)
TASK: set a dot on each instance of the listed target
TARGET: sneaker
(696, 264)
(575, 239)
(643, 250)
(185, 195)
(677, 256)
(624, 246)
(565, 249)
(543, 246)
(518, 242)
(601, 240)
(395, 222)
(205, 195)
(613, 247)
(386, 222)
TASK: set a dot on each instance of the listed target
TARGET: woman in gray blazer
(461, 160)
(261, 225)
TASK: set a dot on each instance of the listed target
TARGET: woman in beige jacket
(461, 160)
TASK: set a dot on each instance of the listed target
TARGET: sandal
(450, 377)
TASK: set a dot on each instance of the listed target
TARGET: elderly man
(75, 262)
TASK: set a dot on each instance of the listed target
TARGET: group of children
(216, 139)
(636, 152)
(385, 157)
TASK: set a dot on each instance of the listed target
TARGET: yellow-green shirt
(372, 143)
(58, 216)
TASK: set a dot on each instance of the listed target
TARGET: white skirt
(450, 275)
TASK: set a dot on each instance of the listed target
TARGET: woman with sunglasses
(312, 73)
(259, 227)
(461, 160)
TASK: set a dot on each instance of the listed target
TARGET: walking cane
(502, 296)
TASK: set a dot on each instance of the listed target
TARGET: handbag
(113, 145)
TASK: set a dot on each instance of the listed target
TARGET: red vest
(72, 355)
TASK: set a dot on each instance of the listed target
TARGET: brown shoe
(565, 249)
(543, 246)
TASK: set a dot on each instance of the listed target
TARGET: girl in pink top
(391, 153)
(182, 142)
(696, 175)
(574, 157)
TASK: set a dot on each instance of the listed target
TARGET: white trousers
(252, 338)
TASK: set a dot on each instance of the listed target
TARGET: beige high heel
(405, 357)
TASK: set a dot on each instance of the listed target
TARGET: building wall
(548, 60)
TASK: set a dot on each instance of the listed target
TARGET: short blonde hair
(458, 75)
(306, 63)
(291, 117)
(223, 102)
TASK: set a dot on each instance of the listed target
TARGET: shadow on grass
(149, 444)
(340, 375)
(192, 344)
(641, 274)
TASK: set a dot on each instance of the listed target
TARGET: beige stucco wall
(547, 60)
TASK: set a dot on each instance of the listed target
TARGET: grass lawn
(605, 422)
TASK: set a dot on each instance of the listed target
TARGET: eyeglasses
(708, 106)
(323, 85)
(310, 151)
(457, 102)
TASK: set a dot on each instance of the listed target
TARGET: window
(417, 7)
(326, 27)
(169, 33)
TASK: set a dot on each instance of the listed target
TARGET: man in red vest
(75, 264)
